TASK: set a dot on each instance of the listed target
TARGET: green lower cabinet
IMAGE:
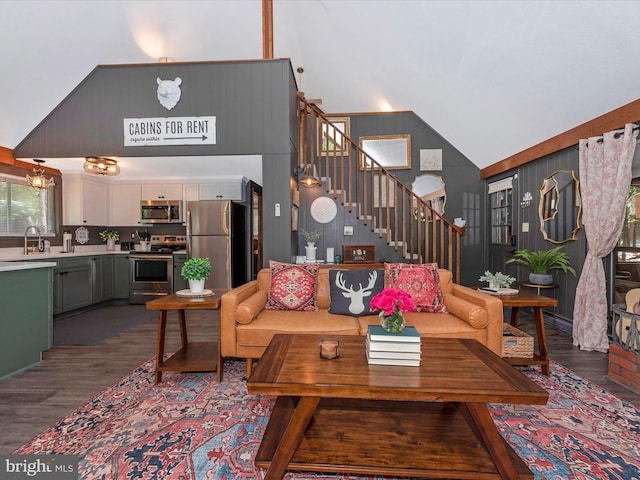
(103, 273)
(121, 276)
(26, 318)
(179, 283)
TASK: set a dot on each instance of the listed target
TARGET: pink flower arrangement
(391, 300)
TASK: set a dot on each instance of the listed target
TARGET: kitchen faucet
(26, 250)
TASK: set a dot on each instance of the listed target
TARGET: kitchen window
(22, 206)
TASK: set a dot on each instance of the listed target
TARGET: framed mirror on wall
(430, 188)
(560, 208)
(392, 152)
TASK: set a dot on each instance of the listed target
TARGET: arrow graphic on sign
(203, 138)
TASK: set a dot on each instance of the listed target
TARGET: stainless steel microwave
(161, 211)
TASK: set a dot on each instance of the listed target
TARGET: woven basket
(516, 343)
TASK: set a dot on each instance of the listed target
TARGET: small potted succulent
(109, 236)
(196, 270)
(497, 280)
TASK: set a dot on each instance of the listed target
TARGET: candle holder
(329, 349)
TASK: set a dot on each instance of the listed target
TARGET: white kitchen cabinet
(191, 192)
(125, 204)
(222, 191)
(85, 201)
(161, 191)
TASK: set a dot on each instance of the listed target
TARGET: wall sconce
(526, 200)
(38, 180)
(309, 176)
(101, 166)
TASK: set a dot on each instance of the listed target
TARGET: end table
(193, 356)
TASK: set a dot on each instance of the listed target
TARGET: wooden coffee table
(344, 415)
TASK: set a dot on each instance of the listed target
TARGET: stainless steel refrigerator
(218, 229)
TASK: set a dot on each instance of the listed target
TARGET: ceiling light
(101, 166)
(309, 176)
(38, 180)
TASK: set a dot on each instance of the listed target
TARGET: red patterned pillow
(422, 282)
(293, 287)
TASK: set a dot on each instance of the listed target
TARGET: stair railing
(385, 204)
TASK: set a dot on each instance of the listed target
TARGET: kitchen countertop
(13, 254)
(16, 253)
(13, 266)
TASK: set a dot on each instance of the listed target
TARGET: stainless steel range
(152, 272)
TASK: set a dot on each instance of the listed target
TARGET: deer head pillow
(352, 290)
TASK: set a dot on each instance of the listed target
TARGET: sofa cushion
(251, 307)
(269, 322)
(292, 287)
(422, 282)
(352, 290)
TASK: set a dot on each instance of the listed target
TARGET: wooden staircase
(381, 201)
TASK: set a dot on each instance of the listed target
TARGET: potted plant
(311, 238)
(497, 280)
(196, 271)
(542, 263)
(109, 236)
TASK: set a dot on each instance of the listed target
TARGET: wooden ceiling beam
(613, 120)
(267, 29)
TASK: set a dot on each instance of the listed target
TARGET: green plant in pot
(196, 270)
(542, 263)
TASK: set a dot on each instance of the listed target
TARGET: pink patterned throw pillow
(293, 287)
(422, 282)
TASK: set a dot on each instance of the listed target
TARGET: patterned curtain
(605, 176)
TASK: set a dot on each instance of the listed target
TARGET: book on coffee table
(379, 334)
(407, 362)
(393, 346)
(396, 351)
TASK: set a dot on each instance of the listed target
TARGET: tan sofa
(246, 328)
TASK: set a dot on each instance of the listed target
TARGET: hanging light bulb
(101, 166)
(38, 180)
(309, 176)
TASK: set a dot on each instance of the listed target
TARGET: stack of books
(384, 348)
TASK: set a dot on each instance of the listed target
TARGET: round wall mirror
(430, 188)
(560, 208)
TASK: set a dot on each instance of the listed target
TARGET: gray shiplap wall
(255, 107)
(462, 184)
(530, 178)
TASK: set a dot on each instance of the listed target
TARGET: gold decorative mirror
(430, 188)
(560, 208)
(392, 152)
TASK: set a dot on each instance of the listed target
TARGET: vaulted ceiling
(493, 77)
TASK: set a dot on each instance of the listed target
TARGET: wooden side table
(537, 302)
(193, 356)
(540, 288)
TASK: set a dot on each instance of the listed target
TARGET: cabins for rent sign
(150, 132)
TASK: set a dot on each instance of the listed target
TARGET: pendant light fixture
(309, 176)
(101, 166)
(38, 180)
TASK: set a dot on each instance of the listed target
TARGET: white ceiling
(492, 77)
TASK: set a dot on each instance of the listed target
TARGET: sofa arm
(228, 304)
(493, 307)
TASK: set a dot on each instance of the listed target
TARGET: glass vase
(393, 323)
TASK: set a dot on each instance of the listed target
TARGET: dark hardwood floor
(71, 376)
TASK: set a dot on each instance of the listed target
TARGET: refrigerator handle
(188, 233)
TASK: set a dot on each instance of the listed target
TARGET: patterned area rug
(189, 427)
